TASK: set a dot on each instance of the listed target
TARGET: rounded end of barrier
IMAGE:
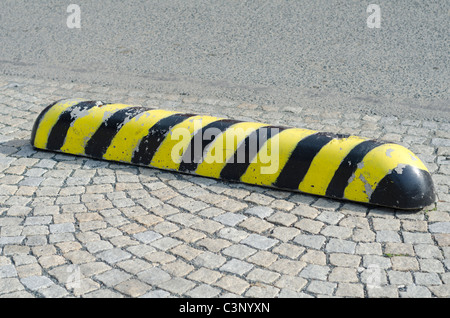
(38, 121)
(390, 175)
(408, 188)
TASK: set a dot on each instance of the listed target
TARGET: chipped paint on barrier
(319, 163)
(399, 168)
(388, 152)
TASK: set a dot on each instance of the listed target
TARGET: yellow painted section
(273, 155)
(130, 134)
(85, 126)
(170, 152)
(223, 147)
(49, 120)
(375, 166)
(325, 164)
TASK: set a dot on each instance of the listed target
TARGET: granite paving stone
(113, 255)
(236, 266)
(204, 291)
(36, 282)
(112, 277)
(350, 290)
(133, 288)
(401, 278)
(259, 241)
(313, 271)
(232, 284)
(177, 285)
(321, 287)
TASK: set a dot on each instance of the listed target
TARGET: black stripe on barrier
(246, 152)
(99, 142)
(348, 166)
(300, 160)
(39, 119)
(58, 133)
(202, 138)
(156, 134)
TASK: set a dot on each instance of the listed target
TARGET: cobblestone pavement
(75, 227)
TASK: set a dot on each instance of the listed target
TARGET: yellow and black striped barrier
(325, 164)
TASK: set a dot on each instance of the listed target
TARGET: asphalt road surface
(279, 52)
